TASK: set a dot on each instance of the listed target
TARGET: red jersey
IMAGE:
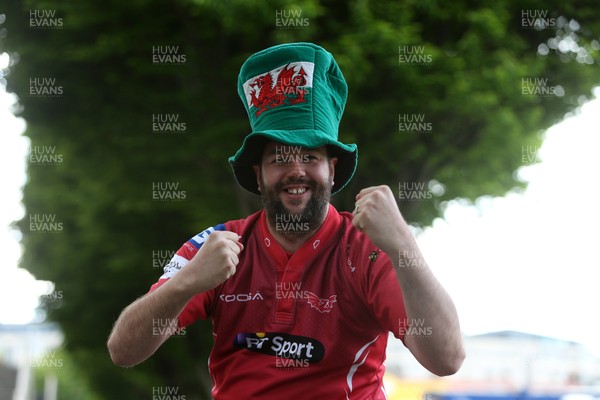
(310, 325)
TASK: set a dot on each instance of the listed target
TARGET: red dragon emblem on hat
(264, 95)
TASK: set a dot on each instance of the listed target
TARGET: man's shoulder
(242, 225)
(239, 226)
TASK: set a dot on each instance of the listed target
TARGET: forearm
(439, 347)
(432, 329)
(146, 324)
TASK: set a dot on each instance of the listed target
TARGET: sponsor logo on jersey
(373, 256)
(322, 305)
(243, 297)
(282, 345)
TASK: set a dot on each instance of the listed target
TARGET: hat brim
(251, 154)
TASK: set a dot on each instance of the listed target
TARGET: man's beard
(296, 225)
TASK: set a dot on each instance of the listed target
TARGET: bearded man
(301, 297)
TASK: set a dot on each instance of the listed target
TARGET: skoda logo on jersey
(281, 345)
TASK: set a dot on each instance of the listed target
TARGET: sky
(529, 261)
(526, 261)
(19, 291)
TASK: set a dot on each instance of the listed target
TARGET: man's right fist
(213, 264)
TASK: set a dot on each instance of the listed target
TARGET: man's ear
(332, 163)
(256, 169)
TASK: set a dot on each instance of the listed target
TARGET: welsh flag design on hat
(294, 94)
(285, 85)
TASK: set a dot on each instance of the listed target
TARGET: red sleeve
(384, 295)
(199, 306)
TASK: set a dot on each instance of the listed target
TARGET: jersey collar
(320, 240)
(290, 272)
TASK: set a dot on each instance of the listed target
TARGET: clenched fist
(213, 264)
(376, 213)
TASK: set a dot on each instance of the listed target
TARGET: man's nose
(296, 168)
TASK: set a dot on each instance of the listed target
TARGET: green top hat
(294, 94)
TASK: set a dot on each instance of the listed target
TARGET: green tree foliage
(469, 88)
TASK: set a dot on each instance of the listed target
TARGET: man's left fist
(376, 213)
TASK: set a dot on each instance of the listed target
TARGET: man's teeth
(296, 190)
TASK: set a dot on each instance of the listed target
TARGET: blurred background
(117, 118)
